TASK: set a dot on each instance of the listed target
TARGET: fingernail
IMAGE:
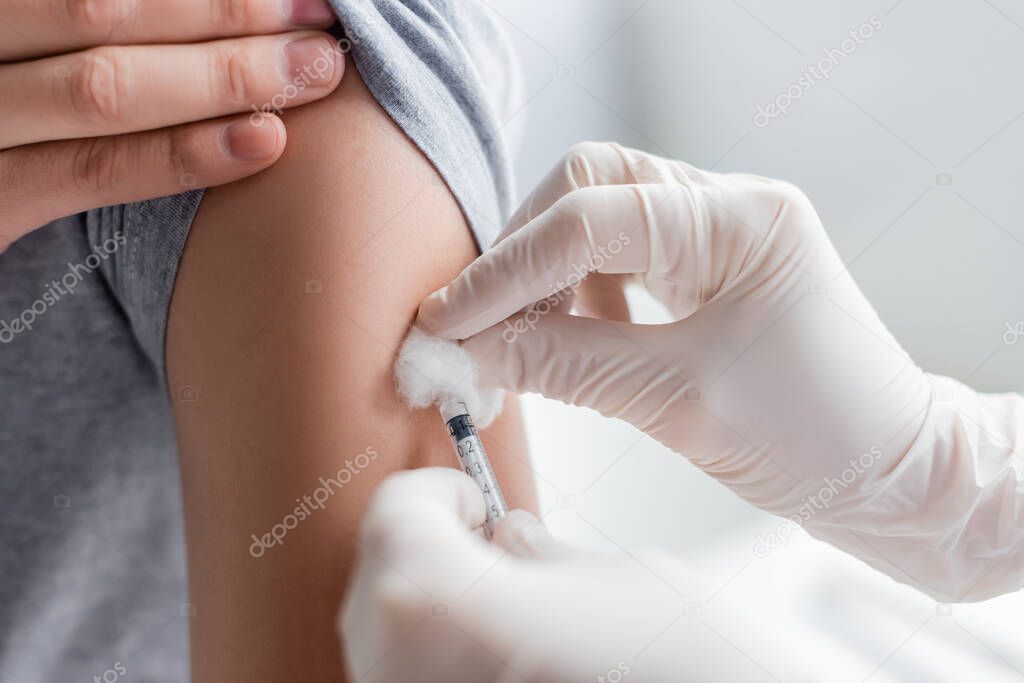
(248, 142)
(309, 12)
(311, 59)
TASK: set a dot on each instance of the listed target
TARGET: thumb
(523, 535)
(415, 511)
(619, 369)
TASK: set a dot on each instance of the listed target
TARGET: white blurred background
(911, 151)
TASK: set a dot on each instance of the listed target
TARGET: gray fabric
(443, 92)
(92, 568)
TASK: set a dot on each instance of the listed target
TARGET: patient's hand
(99, 98)
(295, 291)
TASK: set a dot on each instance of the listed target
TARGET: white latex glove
(431, 600)
(777, 378)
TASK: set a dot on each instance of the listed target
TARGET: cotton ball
(490, 403)
(431, 369)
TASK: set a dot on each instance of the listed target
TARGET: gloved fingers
(611, 229)
(417, 511)
(603, 296)
(600, 295)
(417, 550)
(612, 367)
(523, 535)
(589, 164)
(586, 164)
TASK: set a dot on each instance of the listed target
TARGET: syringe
(473, 459)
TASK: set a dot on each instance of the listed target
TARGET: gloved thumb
(615, 368)
(413, 512)
(523, 535)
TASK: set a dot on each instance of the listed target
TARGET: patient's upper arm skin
(295, 289)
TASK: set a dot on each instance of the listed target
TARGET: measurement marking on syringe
(473, 460)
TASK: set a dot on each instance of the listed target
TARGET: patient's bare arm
(295, 290)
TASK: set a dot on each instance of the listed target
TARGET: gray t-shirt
(92, 568)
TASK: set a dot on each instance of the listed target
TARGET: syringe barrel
(472, 457)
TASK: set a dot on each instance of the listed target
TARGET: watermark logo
(616, 673)
(111, 675)
(58, 289)
(813, 504)
(307, 76)
(1013, 332)
(813, 74)
(310, 503)
(529, 320)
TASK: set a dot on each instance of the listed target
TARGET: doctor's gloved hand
(776, 375)
(431, 600)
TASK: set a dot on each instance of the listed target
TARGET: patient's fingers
(32, 28)
(46, 181)
(114, 90)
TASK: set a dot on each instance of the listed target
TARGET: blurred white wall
(912, 152)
